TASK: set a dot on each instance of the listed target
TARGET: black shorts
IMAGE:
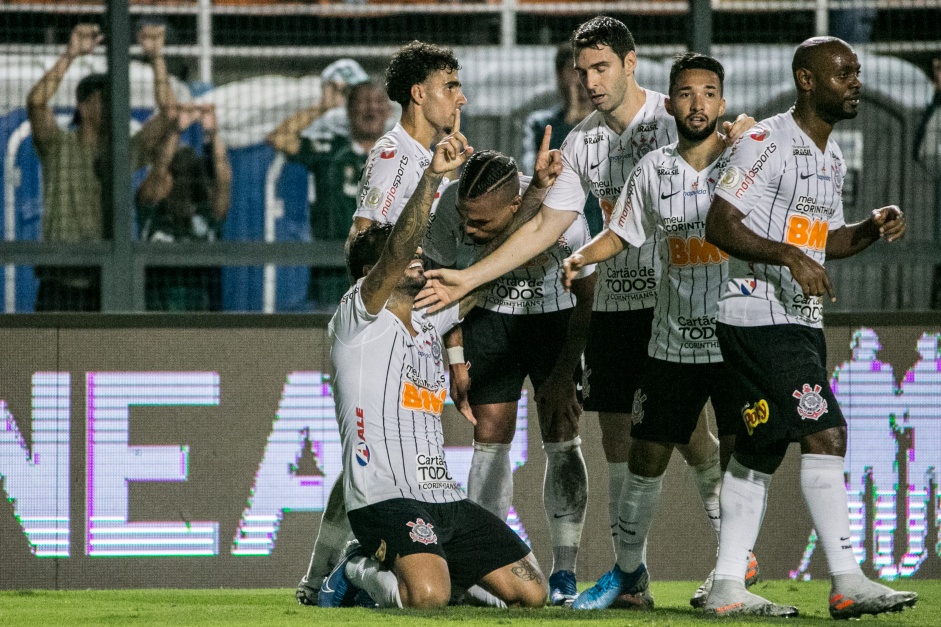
(470, 539)
(614, 359)
(780, 383)
(503, 349)
(672, 395)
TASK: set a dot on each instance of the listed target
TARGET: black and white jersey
(666, 197)
(393, 168)
(389, 391)
(534, 287)
(790, 192)
(597, 160)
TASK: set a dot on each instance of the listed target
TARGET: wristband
(455, 355)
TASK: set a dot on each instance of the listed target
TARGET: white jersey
(393, 168)
(667, 197)
(596, 159)
(790, 192)
(390, 390)
(534, 287)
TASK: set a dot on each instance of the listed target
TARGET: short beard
(411, 286)
(696, 136)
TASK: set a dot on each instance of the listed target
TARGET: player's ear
(668, 105)
(515, 205)
(418, 93)
(721, 107)
(630, 61)
(804, 79)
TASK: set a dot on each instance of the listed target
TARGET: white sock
(382, 585)
(825, 495)
(742, 499)
(639, 502)
(708, 476)
(617, 474)
(565, 494)
(490, 483)
(331, 541)
(477, 596)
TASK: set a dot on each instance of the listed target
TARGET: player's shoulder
(655, 159)
(589, 131)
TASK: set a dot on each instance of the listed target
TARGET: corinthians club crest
(811, 405)
(422, 532)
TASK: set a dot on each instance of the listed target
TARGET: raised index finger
(544, 147)
(457, 122)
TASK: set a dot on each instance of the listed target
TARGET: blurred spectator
(336, 162)
(73, 163)
(575, 106)
(185, 198)
(927, 151)
(336, 80)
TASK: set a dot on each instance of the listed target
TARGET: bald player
(778, 212)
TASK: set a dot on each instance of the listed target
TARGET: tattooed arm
(402, 246)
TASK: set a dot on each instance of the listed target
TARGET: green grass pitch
(277, 607)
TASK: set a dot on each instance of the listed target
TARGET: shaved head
(813, 53)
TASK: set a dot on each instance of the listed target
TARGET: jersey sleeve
(351, 318)
(838, 220)
(569, 191)
(446, 319)
(756, 160)
(440, 243)
(381, 190)
(631, 218)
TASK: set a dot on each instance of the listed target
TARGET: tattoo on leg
(525, 571)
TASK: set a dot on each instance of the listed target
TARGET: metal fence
(255, 63)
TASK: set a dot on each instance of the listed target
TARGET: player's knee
(424, 595)
(534, 595)
(649, 459)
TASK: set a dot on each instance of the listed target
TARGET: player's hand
(891, 222)
(83, 40)
(734, 130)
(571, 266)
(151, 38)
(810, 275)
(444, 286)
(460, 384)
(548, 165)
(452, 151)
(556, 401)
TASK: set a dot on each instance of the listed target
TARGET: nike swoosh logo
(594, 166)
(807, 176)
(665, 196)
(563, 515)
(842, 539)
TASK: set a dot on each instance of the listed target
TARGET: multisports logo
(390, 195)
(756, 168)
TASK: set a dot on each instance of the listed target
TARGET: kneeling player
(418, 533)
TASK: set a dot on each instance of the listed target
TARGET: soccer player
(418, 532)
(423, 79)
(598, 156)
(668, 194)
(778, 212)
(527, 325)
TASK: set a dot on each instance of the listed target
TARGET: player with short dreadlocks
(525, 325)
